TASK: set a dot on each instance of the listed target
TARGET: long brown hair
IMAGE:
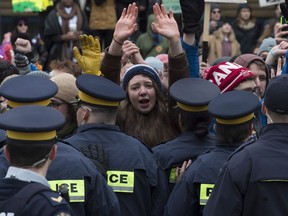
(152, 128)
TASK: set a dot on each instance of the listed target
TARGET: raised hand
(164, 23)
(90, 59)
(127, 24)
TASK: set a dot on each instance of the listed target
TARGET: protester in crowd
(39, 49)
(265, 47)
(192, 96)
(223, 43)
(247, 28)
(233, 128)
(63, 26)
(151, 110)
(64, 101)
(254, 185)
(25, 178)
(215, 17)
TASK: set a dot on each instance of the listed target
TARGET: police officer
(132, 171)
(89, 193)
(31, 139)
(233, 126)
(192, 96)
(254, 181)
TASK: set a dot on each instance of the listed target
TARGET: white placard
(227, 1)
(265, 3)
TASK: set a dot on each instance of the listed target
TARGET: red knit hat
(227, 75)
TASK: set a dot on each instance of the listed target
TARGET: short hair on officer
(234, 113)
(31, 134)
(193, 96)
(275, 100)
(28, 90)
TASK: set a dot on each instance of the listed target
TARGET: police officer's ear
(53, 152)
(6, 153)
(264, 109)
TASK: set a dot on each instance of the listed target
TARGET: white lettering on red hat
(225, 71)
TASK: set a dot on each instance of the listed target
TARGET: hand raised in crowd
(90, 59)
(277, 52)
(131, 53)
(127, 24)
(23, 45)
(164, 23)
(180, 171)
(281, 32)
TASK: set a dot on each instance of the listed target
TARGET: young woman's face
(142, 93)
(245, 14)
(22, 27)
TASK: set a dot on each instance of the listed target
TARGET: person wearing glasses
(215, 18)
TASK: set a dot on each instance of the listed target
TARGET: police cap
(276, 95)
(28, 90)
(99, 91)
(193, 94)
(235, 107)
(32, 123)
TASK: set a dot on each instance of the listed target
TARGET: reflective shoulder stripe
(121, 181)
(76, 188)
(172, 176)
(275, 180)
(205, 192)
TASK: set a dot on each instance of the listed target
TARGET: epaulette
(54, 198)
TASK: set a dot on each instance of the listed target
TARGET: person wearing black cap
(31, 146)
(254, 179)
(132, 172)
(233, 125)
(192, 96)
(89, 193)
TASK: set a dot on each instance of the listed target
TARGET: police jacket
(255, 178)
(197, 182)
(173, 153)
(132, 171)
(89, 193)
(41, 201)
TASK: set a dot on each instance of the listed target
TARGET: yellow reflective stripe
(205, 192)
(76, 188)
(121, 181)
(172, 177)
(275, 180)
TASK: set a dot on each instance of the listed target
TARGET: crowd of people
(103, 119)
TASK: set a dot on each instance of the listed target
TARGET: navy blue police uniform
(255, 177)
(88, 193)
(198, 181)
(132, 171)
(30, 127)
(192, 95)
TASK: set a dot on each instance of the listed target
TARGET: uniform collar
(97, 126)
(25, 175)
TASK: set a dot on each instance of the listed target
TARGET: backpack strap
(22, 197)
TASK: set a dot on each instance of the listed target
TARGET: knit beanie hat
(266, 45)
(155, 63)
(214, 6)
(227, 75)
(67, 90)
(22, 63)
(246, 59)
(144, 70)
(40, 74)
